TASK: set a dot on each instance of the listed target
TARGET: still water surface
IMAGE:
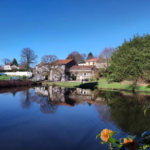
(67, 119)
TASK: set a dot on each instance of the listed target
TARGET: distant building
(10, 66)
(82, 63)
(103, 63)
(91, 62)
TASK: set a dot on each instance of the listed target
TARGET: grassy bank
(101, 84)
(6, 77)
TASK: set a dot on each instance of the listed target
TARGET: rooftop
(59, 61)
(81, 67)
(95, 59)
(102, 60)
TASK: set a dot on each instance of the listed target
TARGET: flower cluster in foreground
(130, 143)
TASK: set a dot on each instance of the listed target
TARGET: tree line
(29, 58)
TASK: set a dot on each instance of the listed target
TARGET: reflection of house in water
(41, 91)
(57, 95)
(81, 95)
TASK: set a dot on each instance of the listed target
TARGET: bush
(112, 78)
(73, 77)
(92, 79)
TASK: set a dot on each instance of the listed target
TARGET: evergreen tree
(90, 56)
(132, 59)
(14, 62)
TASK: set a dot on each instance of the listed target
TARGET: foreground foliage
(131, 142)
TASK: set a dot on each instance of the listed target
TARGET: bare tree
(105, 56)
(107, 52)
(28, 57)
(77, 57)
(48, 62)
(6, 61)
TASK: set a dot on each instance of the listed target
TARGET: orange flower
(105, 135)
(127, 142)
(130, 144)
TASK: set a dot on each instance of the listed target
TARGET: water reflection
(124, 110)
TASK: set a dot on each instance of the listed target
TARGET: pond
(57, 118)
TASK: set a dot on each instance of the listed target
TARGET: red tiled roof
(59, 61)
(64, 104)
(81, 67)
(95, 59)
(63, 61)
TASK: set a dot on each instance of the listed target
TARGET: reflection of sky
(68, 128)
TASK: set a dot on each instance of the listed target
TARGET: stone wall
(102, 65)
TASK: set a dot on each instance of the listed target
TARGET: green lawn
(5, 77)
(101, 84)
(63, 84)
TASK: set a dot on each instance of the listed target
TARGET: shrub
(92, 79)
(73, 77)
(112, 78)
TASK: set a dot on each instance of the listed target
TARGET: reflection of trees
(28, 97)
(127, 113)
(46, 105)
(103, 110)
(25, 99)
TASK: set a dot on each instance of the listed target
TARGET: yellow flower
(130, 144)
(105, 135)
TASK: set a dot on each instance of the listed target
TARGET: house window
(84, 74)
(81, 74)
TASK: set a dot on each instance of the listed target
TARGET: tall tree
(132, 59)
(15, 62)
(6, 61)
(90, 56)
(77, 57)
(28, 57)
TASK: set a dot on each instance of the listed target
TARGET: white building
(10, 67)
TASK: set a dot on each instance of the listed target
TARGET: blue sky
(62, 26)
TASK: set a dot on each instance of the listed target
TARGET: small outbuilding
(82, 72)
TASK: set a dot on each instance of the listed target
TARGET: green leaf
(112, 140)
(146, 110)
(112, 133)
(119, 140)
(98, 135)
(102, 142)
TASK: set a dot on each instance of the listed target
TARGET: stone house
(91, 62)
(103, 63)
(10, 66)
(59, 69)
(82, 72)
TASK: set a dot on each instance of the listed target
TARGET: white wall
(7, 67)
(28, 74)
